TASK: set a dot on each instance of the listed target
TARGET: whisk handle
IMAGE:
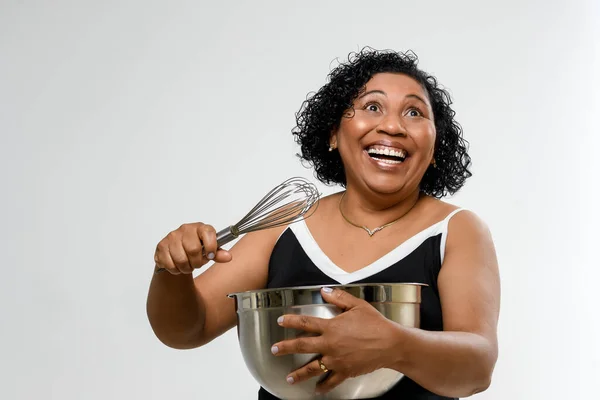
(224, 236)
(227, 235)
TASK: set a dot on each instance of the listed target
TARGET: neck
(376, 209)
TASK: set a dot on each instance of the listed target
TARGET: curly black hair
(321, 114)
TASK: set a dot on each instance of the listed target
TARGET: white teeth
(388, 161)
(386, 151)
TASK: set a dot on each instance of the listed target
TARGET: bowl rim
(319, 287)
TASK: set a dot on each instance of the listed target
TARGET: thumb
(340, 298)
(222, 256)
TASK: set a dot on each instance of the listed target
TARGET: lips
(386, 154)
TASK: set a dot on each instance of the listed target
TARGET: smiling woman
(382, 129)
(354, 86)
(381, 122)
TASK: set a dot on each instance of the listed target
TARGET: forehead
(395, 83)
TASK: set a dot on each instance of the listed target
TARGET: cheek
(432, 138)
(355, 127)
(361, 125)
(428, 137)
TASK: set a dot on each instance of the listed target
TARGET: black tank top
(297, 260)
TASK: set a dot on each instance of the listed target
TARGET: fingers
(208, 236)
(301, 345)
(303, 323)
(222, 256)
(308, 371)
(180, 258)
(340, 298)
(316, 368)
(162, 259)
(192, 245)
(189, 248)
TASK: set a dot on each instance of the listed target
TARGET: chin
(387, 186)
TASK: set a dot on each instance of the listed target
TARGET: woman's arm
(185, 312)
(459, 361)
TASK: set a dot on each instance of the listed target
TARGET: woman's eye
(413, 112)
(372, 107)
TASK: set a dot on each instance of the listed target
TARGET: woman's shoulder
(456, 216)
(435, 210)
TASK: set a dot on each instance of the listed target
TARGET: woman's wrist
(394, 353)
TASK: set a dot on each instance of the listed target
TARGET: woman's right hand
(188, 248)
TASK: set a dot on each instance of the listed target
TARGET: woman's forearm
(452, 364)
(175, 310)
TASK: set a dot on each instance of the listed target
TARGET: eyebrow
(372, 92)
(414, 96)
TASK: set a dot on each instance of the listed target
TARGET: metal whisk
(285, 204)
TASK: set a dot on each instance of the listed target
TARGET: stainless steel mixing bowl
(257, 328)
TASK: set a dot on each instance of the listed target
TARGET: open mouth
(386, 154)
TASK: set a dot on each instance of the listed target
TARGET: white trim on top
(329, 268)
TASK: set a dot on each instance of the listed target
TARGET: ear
(333, 139)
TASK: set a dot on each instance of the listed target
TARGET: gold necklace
(376, 229)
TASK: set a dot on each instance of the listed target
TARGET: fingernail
(290, 380)
(280, 320)
(327, 289)
(274, 349)
(210, 256)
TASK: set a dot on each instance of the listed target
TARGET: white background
(121, 120)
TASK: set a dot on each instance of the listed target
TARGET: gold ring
(322, 366)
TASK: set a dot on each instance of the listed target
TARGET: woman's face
(386, 143)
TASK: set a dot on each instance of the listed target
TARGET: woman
(384, 130)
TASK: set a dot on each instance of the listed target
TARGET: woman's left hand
(355, 342)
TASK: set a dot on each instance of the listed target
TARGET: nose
(391, 125)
